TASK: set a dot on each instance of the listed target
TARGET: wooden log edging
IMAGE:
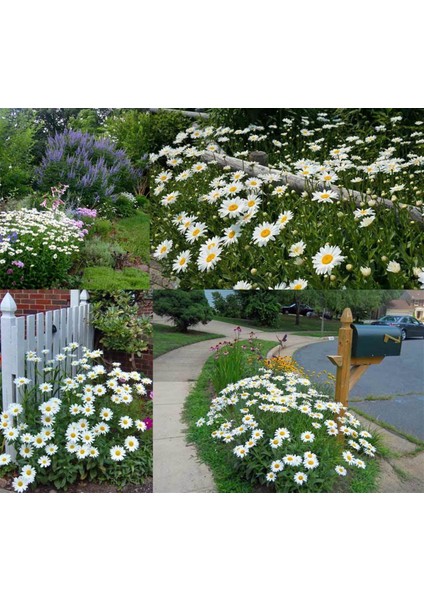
(187, 113)
(298, 183)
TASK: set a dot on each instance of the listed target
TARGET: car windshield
(390, 319)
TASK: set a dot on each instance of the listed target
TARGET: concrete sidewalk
(175, 463)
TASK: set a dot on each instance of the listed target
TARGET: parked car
(327, 315)
(304, 309)
(409, 326)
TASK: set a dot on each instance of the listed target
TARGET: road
(396, 385)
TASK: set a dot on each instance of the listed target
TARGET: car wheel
(403, 334)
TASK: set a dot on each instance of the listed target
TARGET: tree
(261, 306)
(185, 309)
(17, 135)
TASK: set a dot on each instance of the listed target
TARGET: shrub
(93, 168)
(71, 428)
(185, 309)
(284, 433)
(37, 249)
(99, 253)
(116, 316)
(17, 132)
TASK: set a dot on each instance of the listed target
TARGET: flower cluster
(213, 225)
(94, 169)
(68, 425)
(37, 247)
(284, 432)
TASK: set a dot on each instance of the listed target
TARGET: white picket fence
(51, 330)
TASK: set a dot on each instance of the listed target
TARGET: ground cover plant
(93, 425)
(216, 227)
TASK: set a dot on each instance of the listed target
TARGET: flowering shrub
(284, 433)
(215, 227)
(94, 170)
(37, 249)
(72, 427)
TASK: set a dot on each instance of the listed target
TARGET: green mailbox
(370, 341)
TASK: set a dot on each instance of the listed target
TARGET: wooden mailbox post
(349, 369)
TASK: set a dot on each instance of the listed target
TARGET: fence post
(84, 297)
(8, 352)
(75, 298)
(88, 339)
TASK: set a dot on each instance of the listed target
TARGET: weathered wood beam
(187, 113)
(299, 183)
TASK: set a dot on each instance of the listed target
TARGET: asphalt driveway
(396, 386)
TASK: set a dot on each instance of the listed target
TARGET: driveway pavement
(396, 385)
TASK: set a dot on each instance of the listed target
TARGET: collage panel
(73, 205)
(76, 391)
(285, 392)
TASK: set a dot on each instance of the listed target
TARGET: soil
(89, 487)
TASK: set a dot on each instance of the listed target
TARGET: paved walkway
(176, 467)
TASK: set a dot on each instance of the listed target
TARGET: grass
(286, 324)
(133, 234)
(218, 457)
(167, 338)
(105, 278)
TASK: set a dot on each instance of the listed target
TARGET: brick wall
(30, 302)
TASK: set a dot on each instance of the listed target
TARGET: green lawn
(286, 323)
(105, 278)
(166, 338)
(133, 234)
(219, 457)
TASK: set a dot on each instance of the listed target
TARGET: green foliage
(116, 316)
(17, 133)
(228, 306)
(137, 466)
(262, 306)
(89, 120)
(101, 227)
(140, 133)
(127, 129)
(99, 253)
(235, 360)
(184, 308)
(105, 278)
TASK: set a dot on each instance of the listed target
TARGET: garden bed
(220, 457)
(357, 223)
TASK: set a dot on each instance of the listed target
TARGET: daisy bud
(253, 271)
(349, 267)
(332, 277)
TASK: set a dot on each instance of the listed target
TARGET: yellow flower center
(327, 177)
(231, 234)
(182, 261)
(298, 286)
(265, 233)
(251, 203)
(233, 207)
(325, 196)
(196, 232)
(326, 259)
(233, 188)
(210, 257)
(163, 249)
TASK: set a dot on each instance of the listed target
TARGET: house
(411, 303)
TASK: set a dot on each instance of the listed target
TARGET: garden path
(176, 467)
